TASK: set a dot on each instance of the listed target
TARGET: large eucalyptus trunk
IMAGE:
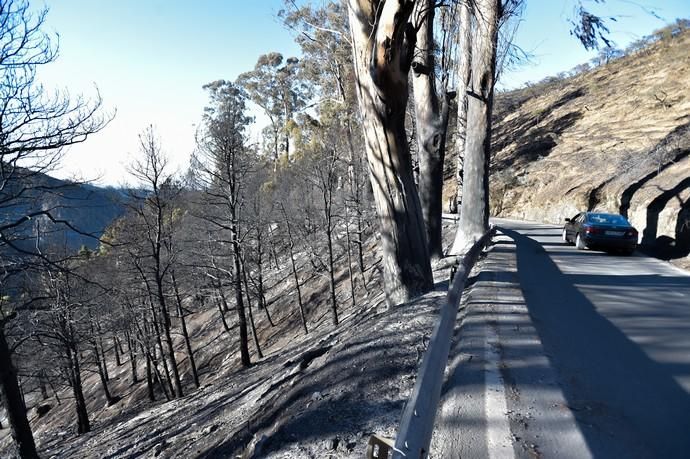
(383, 41)
(431, 113)
(464, 74)
(474, 215)
(20, 430)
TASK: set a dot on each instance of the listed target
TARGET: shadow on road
(616, 391)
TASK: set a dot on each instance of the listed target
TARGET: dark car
(600, 231)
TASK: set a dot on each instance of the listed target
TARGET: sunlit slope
(616, 138)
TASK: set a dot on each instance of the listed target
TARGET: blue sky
(150, 58)
(544, 31)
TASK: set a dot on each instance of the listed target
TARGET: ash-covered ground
(316, 395)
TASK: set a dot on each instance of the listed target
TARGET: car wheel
(579, 243)
(565, 236)
(628, 252)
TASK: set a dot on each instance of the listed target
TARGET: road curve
(567, 353)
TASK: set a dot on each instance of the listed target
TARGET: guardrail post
(379, 447)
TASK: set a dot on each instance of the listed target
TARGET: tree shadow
(594, 195)
(611, 384)
(672, 248)
(656, 206)
(678, 133)
(356, 388)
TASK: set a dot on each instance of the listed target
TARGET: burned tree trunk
(251, 314)
(100, 365)
(149, 380)
(20, 430)
(168, 337)
(383, 44)
(118, 349)
(74, 373)
(132, 357)
(331, 271)
(239, 301)
(293, 265)
(185, 332)
(260, 285)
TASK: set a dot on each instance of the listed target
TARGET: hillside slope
(316, 395)
(88, 208)
(616, 138)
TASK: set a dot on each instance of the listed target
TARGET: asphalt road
(567, 353)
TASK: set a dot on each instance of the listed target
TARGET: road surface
(565, 353)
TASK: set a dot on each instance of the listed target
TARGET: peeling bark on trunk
(464, 75)
(431, 115)
(474, 216)
(382, 42)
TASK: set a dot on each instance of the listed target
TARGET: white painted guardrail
(417, 424)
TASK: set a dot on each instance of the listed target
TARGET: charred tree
(183, 323)
(20, 431)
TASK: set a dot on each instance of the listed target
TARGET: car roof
(603, 213)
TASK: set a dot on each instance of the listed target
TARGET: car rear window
(607, 219)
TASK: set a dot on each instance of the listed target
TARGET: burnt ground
(316, 395)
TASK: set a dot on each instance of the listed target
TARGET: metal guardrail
(417, 424)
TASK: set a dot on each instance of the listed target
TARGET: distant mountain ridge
(87, 208)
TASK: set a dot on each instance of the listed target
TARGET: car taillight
(631, 233)
(593, 230)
